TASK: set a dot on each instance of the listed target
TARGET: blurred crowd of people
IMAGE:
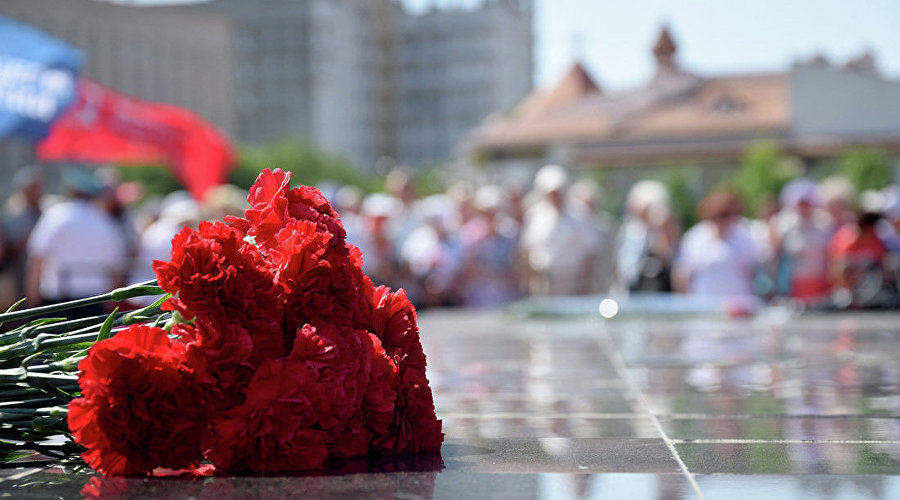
(818, 244)
(93, 236)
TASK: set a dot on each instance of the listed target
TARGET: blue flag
(38, 75)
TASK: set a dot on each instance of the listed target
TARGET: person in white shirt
(803, 232)
(559, 251)
(647, 239)
(717, 256)
(156, 241)
(75, 250)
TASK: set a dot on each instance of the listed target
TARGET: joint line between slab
(784, 441)
(615, 357)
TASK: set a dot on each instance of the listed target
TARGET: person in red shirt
(855, 250)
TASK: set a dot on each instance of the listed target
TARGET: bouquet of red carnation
(281, 353)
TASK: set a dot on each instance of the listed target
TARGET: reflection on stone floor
(813, 395)
(634, 407)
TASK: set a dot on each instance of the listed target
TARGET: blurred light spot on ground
(608, 308)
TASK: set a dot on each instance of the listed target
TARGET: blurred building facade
(456, 66)
(174, 54)
(813, 110)
(342, 75)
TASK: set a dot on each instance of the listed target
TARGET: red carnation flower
(268, 208)
(222, 280)
(221, 356)
(303, 238)
(307, 203)
(374, 413)
(273, 205)
(341, 363)
(415, 428)
(394, 322)
(140, 407)
(290, 354)
(317, 282)
(380, 397)
(273, 430)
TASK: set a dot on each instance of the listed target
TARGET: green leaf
(106, 329)
(14, 455)
(138, 290)
(13, 307)
(13, 375)
(44, 424)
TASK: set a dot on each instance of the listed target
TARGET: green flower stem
(25, 332)
(119, 294)
(26, 403)
(17, 392)
(12, 375)
(46, 411)
(44, 342)
(61, 450)
(69, 364)
(125, 317)
(75, 338)
(57, 379)
(13, 414)
(13, 336)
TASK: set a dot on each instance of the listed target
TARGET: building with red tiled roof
(813, 110)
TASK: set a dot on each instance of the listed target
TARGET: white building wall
(456, 68)
(847, 104)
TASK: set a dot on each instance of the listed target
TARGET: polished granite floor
(668, 406)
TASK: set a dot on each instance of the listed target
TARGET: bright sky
(713, 36)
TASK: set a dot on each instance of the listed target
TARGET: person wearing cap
(75, 250)
(837, 195)
(600, 226)
(22, 211)
(802, 241)
(176, 212)
(647, 239)
(489, 270)
(381, 262)
(433, 253)
(557, 252)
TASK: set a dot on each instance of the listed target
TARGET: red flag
(103, 126)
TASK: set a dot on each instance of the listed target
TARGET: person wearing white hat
(433, 253)
(802, 239)
(380, 262)
(557, 251)
(586, 198)
(489, 276)
(177, 211)
(647, 239)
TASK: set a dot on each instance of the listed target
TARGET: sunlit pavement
(553, 403)
(669, 405)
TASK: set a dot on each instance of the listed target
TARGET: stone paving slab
(557, 406)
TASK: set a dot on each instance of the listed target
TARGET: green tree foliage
(865, 168)
(307, 165)
(764, 171)
(678, 181)
(156, 179)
